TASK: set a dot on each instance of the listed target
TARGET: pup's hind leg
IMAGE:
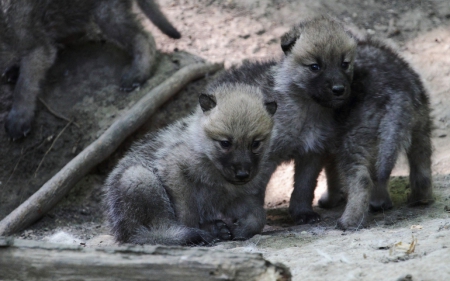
(359, 183)
(140, 210)
(33, 69)
(119, 24)
(333, 196)
(419, 158)
(393, 133)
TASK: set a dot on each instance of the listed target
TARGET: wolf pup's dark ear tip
(287, 42)
(207, 102)
(271, 107)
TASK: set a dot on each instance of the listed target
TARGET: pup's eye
(345, 65)
(256, 144)
(225, 144)
(314, 67)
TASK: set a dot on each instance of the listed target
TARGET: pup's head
(319, 57)
(237, 123)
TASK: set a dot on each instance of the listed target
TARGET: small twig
(360, 223)
(23, 154)
(57, 114)
(256, 243)
(51, 146)
(15, 167)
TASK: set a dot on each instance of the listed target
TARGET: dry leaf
(407, 248)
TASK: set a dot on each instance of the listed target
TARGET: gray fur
(304, 124)
(199, 180)
(388, 112)
(357, 134)
(302, 130)
(35, 28)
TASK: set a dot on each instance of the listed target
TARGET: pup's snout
(338, 90)
(242, 174)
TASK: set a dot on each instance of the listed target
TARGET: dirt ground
(83, 86)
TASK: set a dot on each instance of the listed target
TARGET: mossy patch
(399, 189)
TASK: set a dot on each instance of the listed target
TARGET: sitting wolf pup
(199, 180)
(34, 29)
(380, 107)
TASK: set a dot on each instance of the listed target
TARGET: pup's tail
(152, 11)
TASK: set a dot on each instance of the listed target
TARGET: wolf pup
(36, 27)
(380, 107)
(199, 180)
(306, 95)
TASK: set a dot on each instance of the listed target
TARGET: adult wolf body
(374, 104)
(35, 28)
(202, 178)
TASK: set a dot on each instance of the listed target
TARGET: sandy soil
(83, 85)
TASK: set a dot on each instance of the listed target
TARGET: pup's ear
(271, 107)
(207, 102)
(288, 40)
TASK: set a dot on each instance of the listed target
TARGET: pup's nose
(242, 174)
(338, 90)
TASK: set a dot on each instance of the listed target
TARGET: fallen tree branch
(21, 259)
(60, 184)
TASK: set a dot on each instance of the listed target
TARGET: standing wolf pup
(36, 27)
(304, 124)
(380, 107)
(199, 180)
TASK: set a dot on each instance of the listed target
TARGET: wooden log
(37, 260)
(60, 184)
